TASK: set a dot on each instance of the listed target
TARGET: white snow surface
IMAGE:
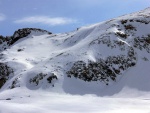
(56, 53)
(40, 101)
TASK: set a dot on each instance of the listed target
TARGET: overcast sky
(60, 16)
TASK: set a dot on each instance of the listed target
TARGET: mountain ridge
(91, 59)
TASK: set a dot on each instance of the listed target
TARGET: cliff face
(92, 58)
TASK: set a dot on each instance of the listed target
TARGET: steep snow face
(103, 59)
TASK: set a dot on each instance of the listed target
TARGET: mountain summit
(103, 59)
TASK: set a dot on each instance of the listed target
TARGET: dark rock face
(5, 71)
(41, 76)
(2, 39)
(26, 31)
(102, 70)
(5, 42)
(50, 78)
(21, 33)
(14, 84)
(142, 43)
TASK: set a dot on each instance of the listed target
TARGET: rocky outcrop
(103, 70)
(5, 73)
(7, 41)
(142, 43)
(4, 42)
(21, 33)
(42, 77)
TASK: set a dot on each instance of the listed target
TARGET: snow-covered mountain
(106, 58)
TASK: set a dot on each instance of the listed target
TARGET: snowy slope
(39, 101)
(101, 68)
(107, 58)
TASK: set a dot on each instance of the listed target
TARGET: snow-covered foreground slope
(110, 59)
(39, 101)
